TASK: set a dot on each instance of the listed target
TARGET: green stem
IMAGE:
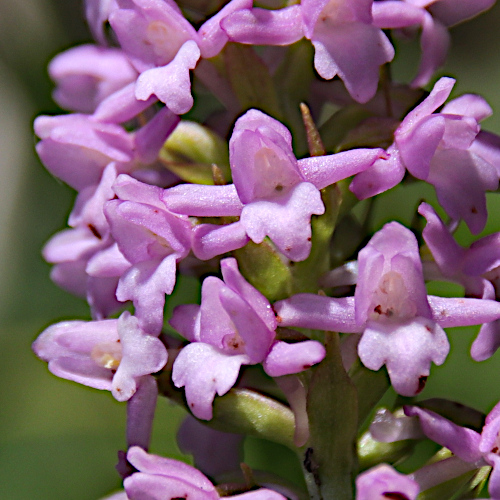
(330, 459)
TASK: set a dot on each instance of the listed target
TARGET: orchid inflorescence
(307, 314)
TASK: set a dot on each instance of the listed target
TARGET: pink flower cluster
(238, 203)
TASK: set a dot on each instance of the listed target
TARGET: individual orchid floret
(270, 194)
(87, 267)
(111, 354)
(433, 17)
(347, 44)
(81, 151)
(153, 240)
(87, 74)
(159, 478)
(475, 268)
(436, 147)
(274, 194)
(151, 32)
(384, 482)
(391, 301)
(401, 326)
(87, 261)
(70, 250)
(434, 41)
(233, 326)
(447, 253)
(76, 148)
(164, 46)
(278, 200)
(477, 449)
(77, 251)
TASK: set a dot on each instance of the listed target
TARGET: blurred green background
(59, 440)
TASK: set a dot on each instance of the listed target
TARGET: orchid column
(233, 143)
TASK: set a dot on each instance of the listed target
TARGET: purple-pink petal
(354, 51)
(434, 100)
(87, 74)
(435, 42)
(129, 189)
(68, 347)
(146, 284)
(468, 105)
(322, 171)
(447, 253)
(203, 201)
(212, 36)
(487, 341)
(384, 174)
(234, 280)
(306, 310)
(494, 479)
(406, 348)
(460, 179)
(265, 27)
(483, 255)
(262, 168)
(216, 323)
(285, 359)
(141, 486)
(390, 278)
(101, 296)
(121, 106)
(142, 354)
(76, 149)
(107, 263)
(487, 146)
(396, 14)
(450, 312)
(286, 220)
(151, 31)
(153, 464)
(250, 327)
(418, 146)
(171, 84)
(186, 320)
(210, 240)
(205, 371)
(72, 244)
(150, 138)
(461, 441)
